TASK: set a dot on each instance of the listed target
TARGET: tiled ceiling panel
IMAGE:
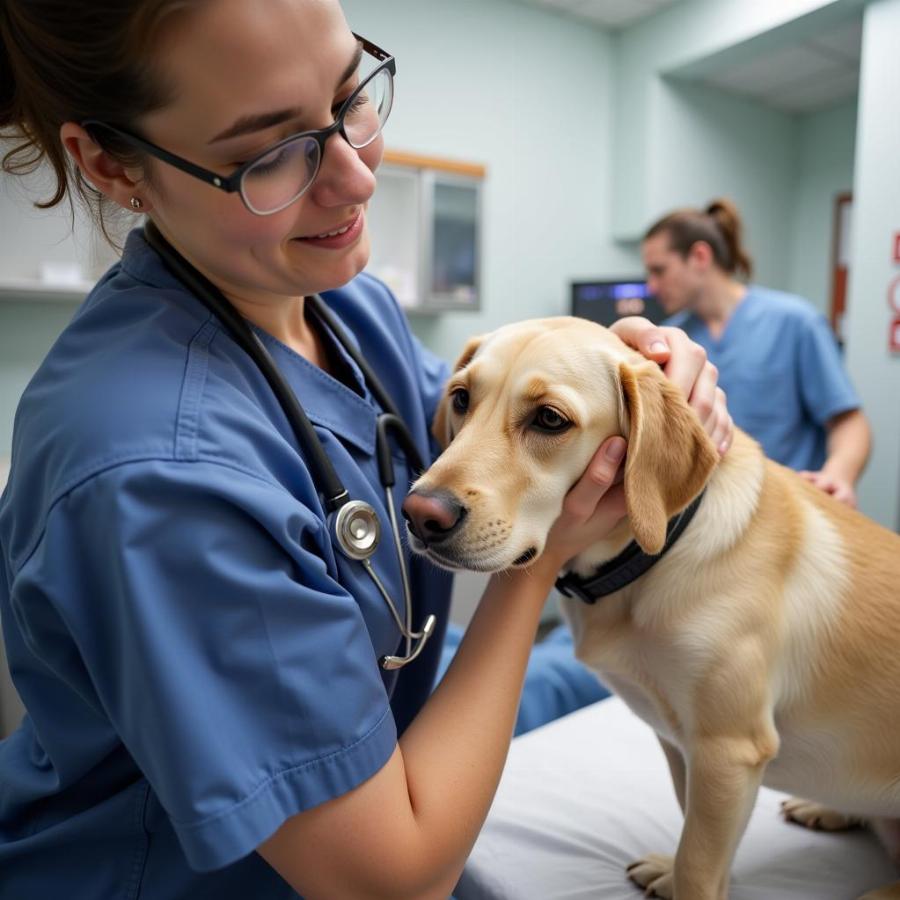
(611, 14)
(769, 74)
(817, 94)
(845, 41)
(818, 72)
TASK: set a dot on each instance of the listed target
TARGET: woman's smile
(344, 235)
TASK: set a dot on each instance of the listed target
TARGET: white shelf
(32, 289)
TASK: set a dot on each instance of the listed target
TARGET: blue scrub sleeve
(205, 627)
(824, 384)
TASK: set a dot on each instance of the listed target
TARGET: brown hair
(63, 63)
(719, 225)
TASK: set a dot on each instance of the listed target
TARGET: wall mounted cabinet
(425, 222)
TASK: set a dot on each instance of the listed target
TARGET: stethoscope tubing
(324, 474)
(335, 495)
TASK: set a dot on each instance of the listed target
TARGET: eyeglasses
(280, 175)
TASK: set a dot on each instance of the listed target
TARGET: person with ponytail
(778, 360)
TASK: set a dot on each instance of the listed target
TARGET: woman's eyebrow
(261, 121)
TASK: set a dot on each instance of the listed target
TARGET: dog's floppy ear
(440, 426)
(669, 455)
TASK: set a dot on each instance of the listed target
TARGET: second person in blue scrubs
(206, 712)
(777, 357)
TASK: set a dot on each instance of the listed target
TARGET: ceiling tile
(607, 13)
(845, 40)
(612, 13)
(817, 93)
(787, 66)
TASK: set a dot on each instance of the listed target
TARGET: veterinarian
(206, 673)
(777, 357)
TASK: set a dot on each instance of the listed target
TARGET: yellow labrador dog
(762, 647)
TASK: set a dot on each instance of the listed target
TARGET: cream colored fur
(763, 649)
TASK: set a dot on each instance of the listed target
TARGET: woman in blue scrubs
(206, 712)
(777, 357)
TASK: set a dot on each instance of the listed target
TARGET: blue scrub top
(781, 370)
(197, 661)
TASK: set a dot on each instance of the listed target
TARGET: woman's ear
(111, 177)
(440, 426)
(670, 457)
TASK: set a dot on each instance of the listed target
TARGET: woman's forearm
(455, 749)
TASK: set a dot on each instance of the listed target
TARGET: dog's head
(524, 412)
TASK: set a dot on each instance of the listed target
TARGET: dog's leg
(817, 817)
(723, 778)
(724, 775)
(677, 769)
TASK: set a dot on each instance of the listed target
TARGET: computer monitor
(605, 301)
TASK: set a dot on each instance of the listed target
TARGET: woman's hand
(685, 365)
(591, 509)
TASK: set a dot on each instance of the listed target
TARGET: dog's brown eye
(548, 419)
(460, 400)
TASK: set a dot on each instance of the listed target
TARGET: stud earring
(136, 204)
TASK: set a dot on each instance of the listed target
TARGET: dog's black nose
(433, 516)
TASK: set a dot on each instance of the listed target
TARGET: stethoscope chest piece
(356, 529)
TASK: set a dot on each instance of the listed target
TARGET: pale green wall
(876, 221)
(824, 169)
(529, 94)
(707, 143)
(679, 143)
(684, 41)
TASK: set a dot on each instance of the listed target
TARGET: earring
(136, 203)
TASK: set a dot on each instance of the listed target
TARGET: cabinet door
(454, 251)
(424, 226)
(394, 231)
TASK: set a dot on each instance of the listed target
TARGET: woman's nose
(346, 176)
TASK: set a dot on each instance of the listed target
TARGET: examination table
(583, 796)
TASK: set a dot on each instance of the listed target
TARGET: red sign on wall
(894, 326)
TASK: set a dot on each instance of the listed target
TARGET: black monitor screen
(605, 301)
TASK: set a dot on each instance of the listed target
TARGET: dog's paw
(817, 817)
(655, 873)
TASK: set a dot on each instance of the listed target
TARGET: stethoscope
(353, 524)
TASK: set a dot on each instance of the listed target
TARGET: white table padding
(587, 794)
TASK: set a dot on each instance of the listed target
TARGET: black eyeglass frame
(232, 183)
